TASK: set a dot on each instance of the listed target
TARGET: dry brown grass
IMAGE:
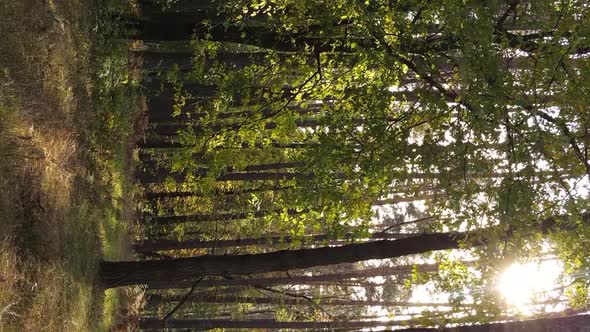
(53, 208)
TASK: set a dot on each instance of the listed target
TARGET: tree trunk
(170, 146)
(159, 143)
(246, 176)
(165, 115)
(226, 216)
(209, 324)
(159, 299)
(304, 279)
(222, 216)
(260, 36)
(148, 246)
(177, 194)
(155, 6)
(165, 92)
(155, 170)
(184, 60)
(173, 129)
(262, 313)
(576, 323)
(126, 273)
(118, 274)
(232, 176)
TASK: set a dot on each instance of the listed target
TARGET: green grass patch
(67, 110)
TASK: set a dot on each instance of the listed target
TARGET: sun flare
(522, 284)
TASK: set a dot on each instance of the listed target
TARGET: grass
(67, 113)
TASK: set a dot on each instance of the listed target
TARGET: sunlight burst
(522, 284)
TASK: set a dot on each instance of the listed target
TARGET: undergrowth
(68, 109)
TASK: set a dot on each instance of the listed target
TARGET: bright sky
(524, 284)
(527, 288)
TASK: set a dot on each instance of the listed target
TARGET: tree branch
(182, 302)
(566, 132)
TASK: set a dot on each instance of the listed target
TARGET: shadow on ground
(64, 193)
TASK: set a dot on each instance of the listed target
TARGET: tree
(474, 100)
(298, 301)
(306, 279)
(157, 324)
(347, 177)
(118, 274)
(148, 246)
(577, 323)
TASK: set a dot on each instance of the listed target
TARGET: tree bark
(304, 279)
(159, 299)
(149, 246)
(260, 36)
(126, 273)
(155, 6)
(171, 146)
(231, 176)
(118, 274)
(159, 115)
(260, 176)
(172, 129)
(226, 216)
(176, 194)
(576, 323)
(184, 60)
(209, 324)
(155, 169)
(222, 216)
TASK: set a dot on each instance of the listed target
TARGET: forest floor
(68, 118)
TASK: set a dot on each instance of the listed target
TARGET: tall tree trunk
(305, 279)
(262, 313)
(209, 324)
(247, 35)
(198, 91)
(226, 216)
(117, 274)
(156, 170)
(156, 6)
(152, 142)
(232, 176)
(222, 216)
(126, 273)
(173, 129)
(148, 246)
(158, 115)
(246, 176)
(159, 299)
(576, 323)
(172, 147)
(176, 194)
(184, 60)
